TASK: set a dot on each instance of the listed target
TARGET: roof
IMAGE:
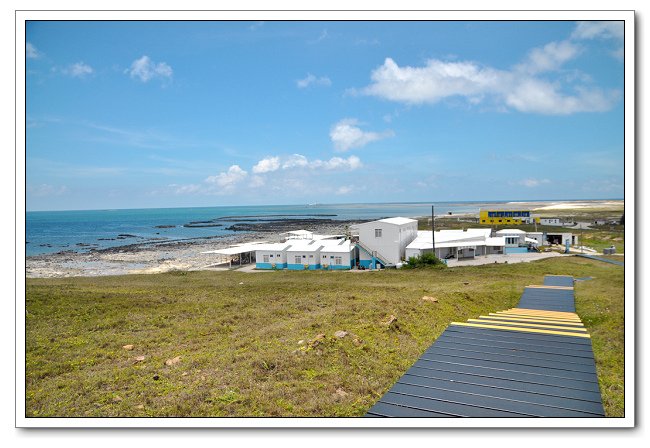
(304, 246)
(275, 246)
(398, 221)
(334, 246)
(234, 250)
(510, 231)
(531, 240)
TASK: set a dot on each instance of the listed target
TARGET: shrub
(424, 260)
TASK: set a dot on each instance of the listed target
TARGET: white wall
(259, 256)
(346, 258)
(311, 257)
(393, 241)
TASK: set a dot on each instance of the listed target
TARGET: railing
(374, 254)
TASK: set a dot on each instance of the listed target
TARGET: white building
(514, 237)
(383, 242)
(551, 221)
(456, 244)
(304, 255)
(337, 254)
(271, 256)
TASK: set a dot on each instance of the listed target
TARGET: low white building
(271, 256)
(304, 255)
(551, 221)
(456, 244)
(383, 242)
(337, 254)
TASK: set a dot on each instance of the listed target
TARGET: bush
(424, 260)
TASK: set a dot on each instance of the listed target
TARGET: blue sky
(168, 114)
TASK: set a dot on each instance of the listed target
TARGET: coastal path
(534, 360)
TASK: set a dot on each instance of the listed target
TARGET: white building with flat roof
(337, 254)
(304, 255)
(456, 244)
(383, 242)
(271, 256)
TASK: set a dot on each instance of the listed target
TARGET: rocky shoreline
(167, 255)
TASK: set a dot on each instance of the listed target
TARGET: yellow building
(507, 217)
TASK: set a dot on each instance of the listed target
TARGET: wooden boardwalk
(534, 360)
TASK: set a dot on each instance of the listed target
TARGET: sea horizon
(50, 232)
(297, 204)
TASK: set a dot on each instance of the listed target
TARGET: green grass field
(239, 336)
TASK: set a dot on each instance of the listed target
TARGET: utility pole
(433, 230)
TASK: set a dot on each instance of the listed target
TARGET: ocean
(82, 230)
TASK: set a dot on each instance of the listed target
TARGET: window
(338, 260)
(298, 259)
(311, 256)
(324, 256)
(278, 255)
(271, 255)
(304, 256)
(266, 258)
(377, 233)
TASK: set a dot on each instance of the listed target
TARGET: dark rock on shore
(207, 224)
(284, 225)
(165, 227)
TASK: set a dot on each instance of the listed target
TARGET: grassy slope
(238, 343)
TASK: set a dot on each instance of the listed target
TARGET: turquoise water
(49, 232)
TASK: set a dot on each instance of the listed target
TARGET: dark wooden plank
(524, 386)
(421, 367)
(485, 402)
(444, 406)
(382, 409)
(570, 359)
(558, 280)
(520, 336)
(584, 355)
(544, 371)
(506, 394)
(435, 352)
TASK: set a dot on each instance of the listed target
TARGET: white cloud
(228, 179)
(45, 190)
(267, 165)
(601, 30)
(296, 160)
(78, 70)
(516, 89)
(338, 163)
(347, 135)
(31, 52)
(313, 80)
(549, 57)
(531, 182)
(537, 96)
(145, 69)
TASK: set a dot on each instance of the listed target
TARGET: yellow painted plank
(533, 320)
(522, 329)
(544, 312)
(523, 324)
(566, 288)
(528, 316)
